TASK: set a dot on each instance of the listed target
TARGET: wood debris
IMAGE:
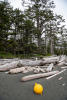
(60, 78)
(43, 66)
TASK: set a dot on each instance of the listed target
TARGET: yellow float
(38, 88)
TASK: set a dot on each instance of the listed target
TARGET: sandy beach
(11, 87)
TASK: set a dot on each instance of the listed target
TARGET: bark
(51, 46)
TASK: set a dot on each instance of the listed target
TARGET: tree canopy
(35, 30)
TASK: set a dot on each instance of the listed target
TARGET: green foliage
(6, 55)
(21, 32)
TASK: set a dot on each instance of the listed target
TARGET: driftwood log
(48, 62)
(21, 63)
(51, 58)
(61, 64)
(26, 69)
(16, 70)
(50, 67)
(62, 58)
(37, 62)
(35, 76)
(9, 66)
(65, 67)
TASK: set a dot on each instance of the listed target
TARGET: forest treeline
(36, 30)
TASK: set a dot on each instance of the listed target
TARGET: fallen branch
(56, 74)
(64, 67)
(35, 76)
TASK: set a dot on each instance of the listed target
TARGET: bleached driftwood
(62, 58)
(65, 67)
(26, 62)
(35, 76)
(37, 70)
(30, 62)
(21, 63)
(48, 62)
(51, 58)
(37, 62)
(56, 74)
(4, 61)
(61, 64)
(50, 67)
(16, 70)
(26, 69)
(65, 64)
(9, 66)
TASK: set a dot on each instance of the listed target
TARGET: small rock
(63, 84)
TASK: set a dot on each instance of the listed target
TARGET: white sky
(61, 6)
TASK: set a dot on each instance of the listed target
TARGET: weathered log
(37, 62)
(39, 69)
(35, 76)
(20, 63)
(56, 74)
(65, 64)
(4, 61)
(29, 62)
(51, 58)
(62, 58)
(16, 70)
(9, 66)
(61, 64)
(48, 62)
(21, 69)
(65, 67)
(26, 69)
(50, 67)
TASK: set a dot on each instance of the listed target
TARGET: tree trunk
(51, 46)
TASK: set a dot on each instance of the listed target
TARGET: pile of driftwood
(41, 68)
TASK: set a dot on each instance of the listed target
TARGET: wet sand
(11, 87)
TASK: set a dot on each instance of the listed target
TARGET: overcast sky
(61, 6)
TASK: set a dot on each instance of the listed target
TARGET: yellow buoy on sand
(38, 88)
